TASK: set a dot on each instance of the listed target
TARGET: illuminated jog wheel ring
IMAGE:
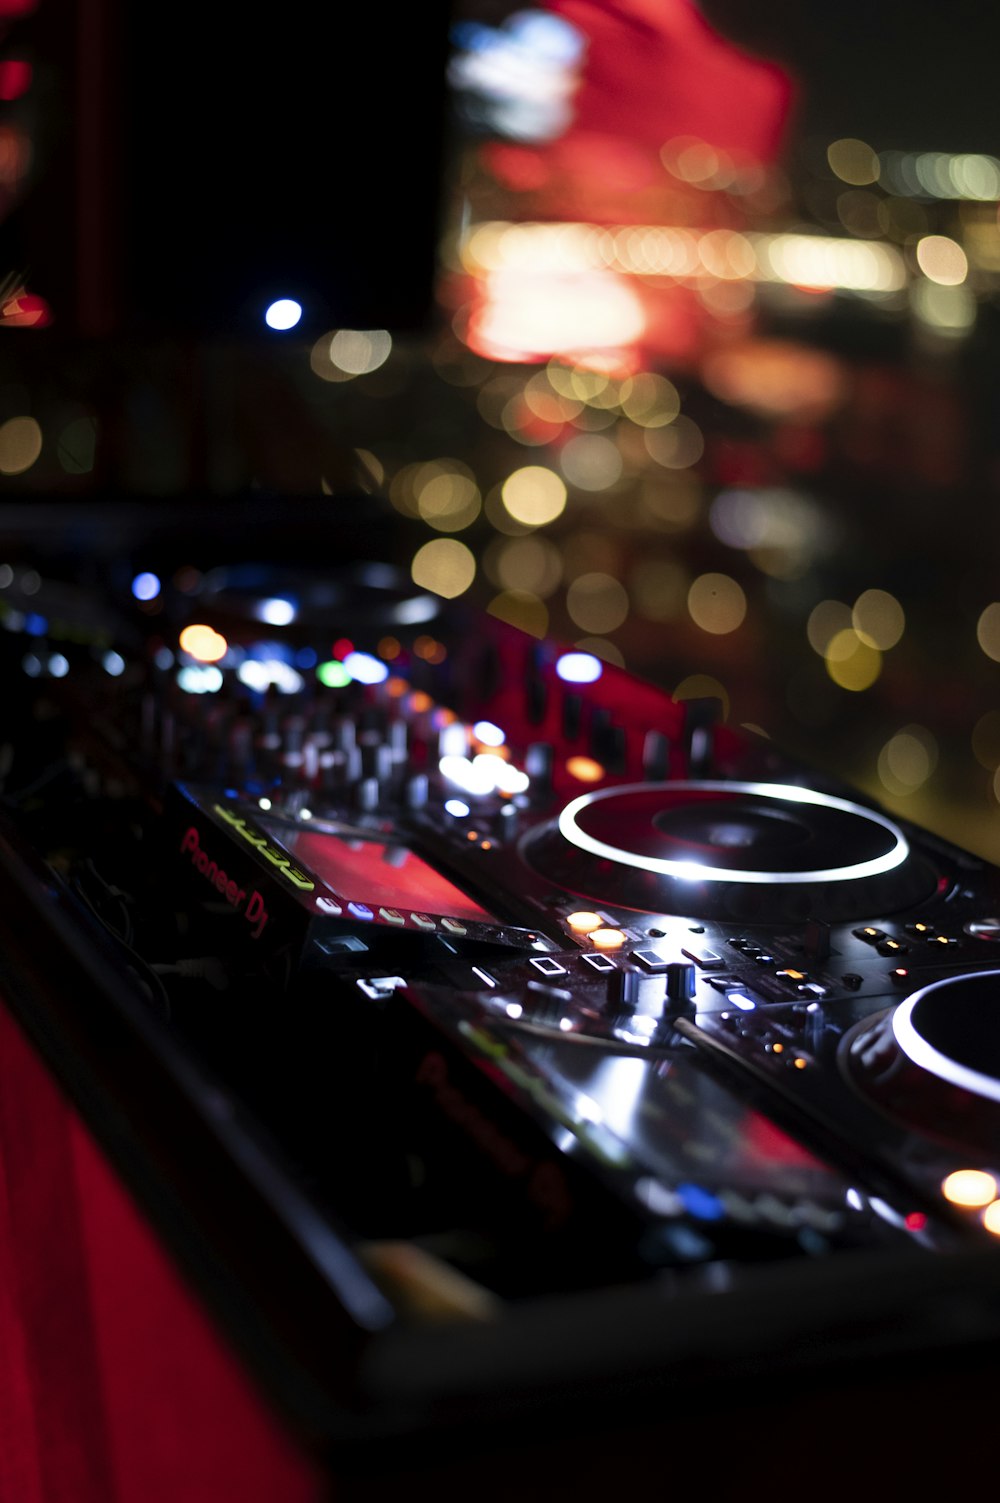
(933, 1062)
(762, 851)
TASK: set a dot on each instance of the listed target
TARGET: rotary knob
(680, 979)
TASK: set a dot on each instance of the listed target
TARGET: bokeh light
(677, 446)
(852, 662)
(826, 620)
(853, 161)
(204, 643)
(907, 760)
(534, 495)
(597, 602)
(942, 260)
(986, 740)
(970, 1187)
(988, 631)
(590, 462)
(716, 603)
(448, 500)
(526, 563)
(878, 618)
(20, 445)
(445, 567)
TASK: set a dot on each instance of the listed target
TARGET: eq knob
(634, 991)
(680, 979)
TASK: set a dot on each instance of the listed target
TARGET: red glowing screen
(376, 872)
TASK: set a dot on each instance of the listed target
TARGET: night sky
(915, 76)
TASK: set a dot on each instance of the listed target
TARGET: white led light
(698, 871)
(579, 668)
(283, 314)
(488, 733)
(512, 780)
(199, 678)
(275, 612)
(456, 807)
(916, 1047)
(365, 669)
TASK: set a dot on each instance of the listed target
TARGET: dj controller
(542, 1019)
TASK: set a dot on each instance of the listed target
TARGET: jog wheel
(933, 1062)
(764, 852)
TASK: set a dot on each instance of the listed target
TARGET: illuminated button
(327, 905)
(920, 931)
(392, 916)
(970, 1187)
(423, 921)
(585, 769)
(607, 939)
(898, 973)
(871, 935)
(798, 977)
(945, 941)
(548, 966)
(453, 926)
(892, 947)
(813, 989)
(651, 960)
(584, 923)
(599, 962)
(762, 958)
(360, 910)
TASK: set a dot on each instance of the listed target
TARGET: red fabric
(114, 1387)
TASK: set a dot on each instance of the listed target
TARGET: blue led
(35, 625)
(306, 657)
(579, 668)
(145, 586)
(700, 1203)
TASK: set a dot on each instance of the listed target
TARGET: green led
(333, 674)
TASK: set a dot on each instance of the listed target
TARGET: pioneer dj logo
(252, 907)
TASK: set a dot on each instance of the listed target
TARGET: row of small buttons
(885, 944)
(389, 916)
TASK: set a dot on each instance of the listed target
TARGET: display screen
(375, 872)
